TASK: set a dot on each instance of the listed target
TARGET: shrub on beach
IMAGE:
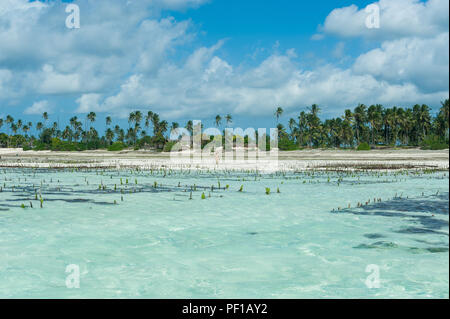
(58, 145)
(363, 147)
(434, 143)
(117, 146)
(286, 144)
(168, 146)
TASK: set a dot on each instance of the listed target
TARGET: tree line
(372, 126)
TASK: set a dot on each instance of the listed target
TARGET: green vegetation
(286, 144)
(116, 146)
(363, 128)
(374, 126)
(168, 146)
(434, 143)
(363, 147)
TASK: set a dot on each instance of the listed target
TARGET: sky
(194, 59)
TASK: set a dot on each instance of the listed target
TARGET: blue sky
(250, 24)
(193, 59)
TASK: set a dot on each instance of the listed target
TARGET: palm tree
(292, 127)
(55, 128)
(138, 117)
(121, 135)
(131, 119)
(425, 119)
(281, 131)
(360, 115)
(190, 127)
(314, 125)
(422, 119)
(396, 116)
(109, 135)
(45, 117)
(229, 119)
(387, 122)
(74, 124)
(218, 120)
(174, 126)
(25, 129)
(91, 117)
(314, 109)
(39, 126)
(375, 118)
(117, 129)
(278, 112)
(134, 118)
(347, 128)
(9, 121)
(445, 112)
(407, 123)
(443, 119)
(148, 118)
(130, 136)
(67, 134)
(302, 127)
(108, 120)
(162, 127)
(155, 122)
(14, 128)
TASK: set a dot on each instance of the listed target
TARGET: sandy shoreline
(285, 161)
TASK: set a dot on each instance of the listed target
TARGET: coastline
(388, 159)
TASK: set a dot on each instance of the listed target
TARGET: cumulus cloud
(38, 108)
(398, 18)
(115, 38)
(189, 90)
(414, 43)
(424, 62)
(125, 57)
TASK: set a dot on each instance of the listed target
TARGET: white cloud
(115, 38)
(38, 108)
(398, 18)
(126, 57)
(88, 102)
(424, 62)
(191, 91)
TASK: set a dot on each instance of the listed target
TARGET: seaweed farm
(215, 233)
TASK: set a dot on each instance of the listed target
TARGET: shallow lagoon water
(158, 243)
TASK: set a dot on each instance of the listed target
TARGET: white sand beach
(283, 161)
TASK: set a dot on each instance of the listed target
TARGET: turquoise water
(155, 242)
